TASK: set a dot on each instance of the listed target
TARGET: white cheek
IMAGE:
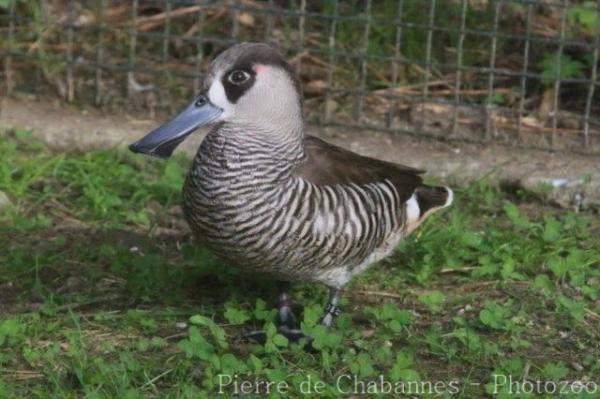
(217, 96)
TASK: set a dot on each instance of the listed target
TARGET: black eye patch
(235, 91)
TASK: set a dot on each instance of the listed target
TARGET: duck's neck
(253, 148)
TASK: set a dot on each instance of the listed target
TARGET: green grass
(103, 293)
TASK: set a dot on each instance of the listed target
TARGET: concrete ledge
(570, 180)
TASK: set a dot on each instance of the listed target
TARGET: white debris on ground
(5, 202)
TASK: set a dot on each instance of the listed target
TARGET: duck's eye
(238, 77)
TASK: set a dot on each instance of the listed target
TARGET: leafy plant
(558, 66)
(100, 303)
(585, 14)
(433, 300)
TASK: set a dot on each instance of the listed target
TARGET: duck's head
(249, 85)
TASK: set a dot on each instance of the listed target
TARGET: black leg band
(332, 309)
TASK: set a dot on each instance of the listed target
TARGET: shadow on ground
(113, 269)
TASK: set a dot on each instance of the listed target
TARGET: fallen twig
(178, 335)
(145, 24)
(445, 92)
(21, 374)
(377, 293)
(457, 269)
(158, 377)
(592, 313)
(402, 89)
(72, 306)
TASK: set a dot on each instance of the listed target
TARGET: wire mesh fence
(519, 72)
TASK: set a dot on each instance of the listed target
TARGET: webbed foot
(288, 325)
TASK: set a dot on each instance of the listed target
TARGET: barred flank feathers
(247, 201)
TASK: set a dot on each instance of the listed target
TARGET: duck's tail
(431, 199)
(425, 201)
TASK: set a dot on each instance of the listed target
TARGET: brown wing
(327, 164)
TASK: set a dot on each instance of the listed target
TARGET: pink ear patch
(260, 68)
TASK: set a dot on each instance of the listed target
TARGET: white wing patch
(450, 197)
(413, 212)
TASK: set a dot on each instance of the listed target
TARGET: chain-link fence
(519, 72)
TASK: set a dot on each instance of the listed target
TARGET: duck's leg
(332, 310)
(288, 325)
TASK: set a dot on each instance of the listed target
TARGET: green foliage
(98, 302)
(392, 317)
(433, 300)
(101, 186)
(384, 33)
(493, 315)
(585, 14)
(235, 315)
(557, 66)
(9, 329)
